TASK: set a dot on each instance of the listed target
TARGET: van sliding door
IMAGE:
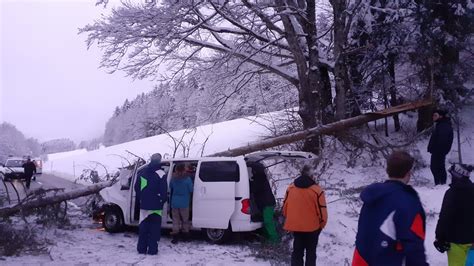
(214, 193)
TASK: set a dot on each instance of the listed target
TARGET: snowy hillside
(204, 140)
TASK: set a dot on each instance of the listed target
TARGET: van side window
(226, 171)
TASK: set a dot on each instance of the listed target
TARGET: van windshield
(14, 163)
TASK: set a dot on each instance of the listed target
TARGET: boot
(186, 237)
(175, 239)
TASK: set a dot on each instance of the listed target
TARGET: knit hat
(460, 170)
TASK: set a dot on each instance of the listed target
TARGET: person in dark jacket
(391, 229)
(29, 169)
(306, 216)
(265, 200)
(440, 144)
(151, 189)
(455, 229)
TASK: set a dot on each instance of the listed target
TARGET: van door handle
(203, 190)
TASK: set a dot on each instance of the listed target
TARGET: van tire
(217, 236)
(113, 219)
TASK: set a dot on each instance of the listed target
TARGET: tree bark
(342, 82)
(49, 200)
(328, 129)
(393, 90)
(327, 110)
(309, 86)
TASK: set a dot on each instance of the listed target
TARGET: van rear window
(226, 171)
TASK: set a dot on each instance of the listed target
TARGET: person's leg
(311, 245)
(457, 254)
(298, 249)
(28, 181)
(154, 234)
(142, 245)
(176, 221)
(470, 257)
(269, 224)
(434, 168)
(443, 176)
(184, 212)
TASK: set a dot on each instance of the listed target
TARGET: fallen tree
(53, 199)
(251, 147)
(324, 129)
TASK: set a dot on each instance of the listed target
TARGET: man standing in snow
(455, 229)
(306, 215)
(151, 189)
(391, 228)
(440, 144)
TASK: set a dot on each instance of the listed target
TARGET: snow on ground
(336, 244)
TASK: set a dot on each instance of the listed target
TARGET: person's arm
(285, 203)
(409, 223)
(445, 217)
(323, 209)
(190, 185)
(445, 138)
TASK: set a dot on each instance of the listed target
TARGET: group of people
(151, 189)
(392, 223)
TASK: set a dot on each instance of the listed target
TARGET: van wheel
(217, 236)
(113, 220)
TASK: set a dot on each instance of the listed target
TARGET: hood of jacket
(375, 192)
(304, 182)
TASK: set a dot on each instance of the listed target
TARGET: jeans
(438, 168)
(304, 241)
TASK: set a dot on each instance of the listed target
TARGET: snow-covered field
(204, 140)
(87, 244)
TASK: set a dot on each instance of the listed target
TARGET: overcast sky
(51, 85)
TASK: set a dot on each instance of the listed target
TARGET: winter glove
(441, 246)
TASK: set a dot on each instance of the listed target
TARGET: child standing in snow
(181, 187)
(391, 229)
(455, 229)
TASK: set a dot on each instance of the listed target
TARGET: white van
(220, 203)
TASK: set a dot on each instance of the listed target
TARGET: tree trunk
(393, 90)
(341, 75)
(328, 129)
(327, 110)
(309, 86)
(49, 200)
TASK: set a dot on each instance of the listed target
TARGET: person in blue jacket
(391, 228)
(181, 187)
(151, 189)
(440, 144)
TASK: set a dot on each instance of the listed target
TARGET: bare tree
(279, 37)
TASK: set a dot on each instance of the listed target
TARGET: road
(42, 181)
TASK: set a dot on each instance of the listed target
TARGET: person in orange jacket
(306, 215)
